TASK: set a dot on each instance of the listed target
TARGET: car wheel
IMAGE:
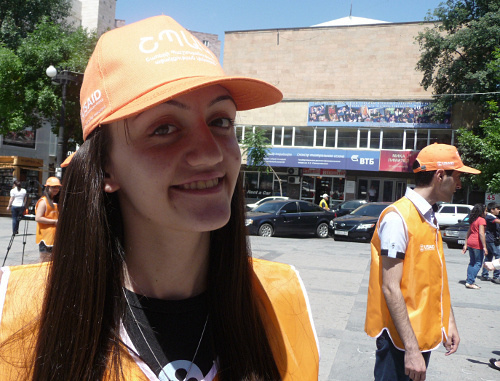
(322, 230)
(266, 230)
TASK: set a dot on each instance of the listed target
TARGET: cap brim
(470, 170)
(247, 93)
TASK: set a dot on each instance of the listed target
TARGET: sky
(219, 16)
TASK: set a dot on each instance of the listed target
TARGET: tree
(27, 96)
(19, 18)
(457, 50)
(481, 147)
(256, 148)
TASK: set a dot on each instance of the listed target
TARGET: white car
(451, 214)
(265, 199)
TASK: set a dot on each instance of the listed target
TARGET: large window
(304, 136)
(392, 139)
(288, 136)
(348, 138)
(422, 139)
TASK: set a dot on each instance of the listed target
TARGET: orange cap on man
(441, 156)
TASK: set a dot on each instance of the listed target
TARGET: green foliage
(18, 18)
(27, 95)
(457, 51)
(256, 147)
(482, 150)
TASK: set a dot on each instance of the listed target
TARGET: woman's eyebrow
(222, 98)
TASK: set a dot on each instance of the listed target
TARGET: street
(336, 277)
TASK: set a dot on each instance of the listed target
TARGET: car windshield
(268, 207)
(372, 210)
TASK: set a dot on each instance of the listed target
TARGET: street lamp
(62, 78)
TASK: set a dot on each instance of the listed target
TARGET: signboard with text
(397, 161)
(324, 158)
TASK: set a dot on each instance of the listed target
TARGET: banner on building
(397, 161)
(373, 114)
(324, 158)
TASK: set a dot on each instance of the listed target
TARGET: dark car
(358, 225)
(347, 207)
(455, 235)
(287, 218)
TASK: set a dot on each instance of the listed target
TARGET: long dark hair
(477, 211)
(79, 327)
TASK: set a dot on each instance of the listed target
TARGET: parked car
(455, 235)
(358, 225)
(288, 217)
(450, 214)
(347, 207)
(263, 200)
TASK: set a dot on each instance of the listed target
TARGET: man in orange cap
(409, 309)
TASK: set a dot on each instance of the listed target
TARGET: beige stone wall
(373, 62)
(96, 15)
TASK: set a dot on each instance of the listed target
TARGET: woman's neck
(166, 265)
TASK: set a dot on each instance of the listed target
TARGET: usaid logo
(90, 102)
(427, 248)
(445, 163)
(150, 45)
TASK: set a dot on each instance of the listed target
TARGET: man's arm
(392, 273)
(452, 341)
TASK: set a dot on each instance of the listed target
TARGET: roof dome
(351, 20)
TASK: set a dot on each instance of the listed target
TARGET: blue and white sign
(324, 158)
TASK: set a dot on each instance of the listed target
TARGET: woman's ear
(110, 185)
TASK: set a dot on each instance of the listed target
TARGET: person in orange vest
(409, 309)
(151, 276)
(46, 216)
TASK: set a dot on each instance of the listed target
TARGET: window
(463, 209)
(309, 208)
(320, 136)
(363, 139)
(348, 138)
(206, 43)
(268, 133)
(448, 209)
(330, 137)
(374, 139)
(239, 133)
(440, 136)
(291, 207)
(393, 139)
(410, 139)
(278, 133)
(287, 138)
(304, 136)
(422, 139)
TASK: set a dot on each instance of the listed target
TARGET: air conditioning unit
(293, 171)
(293, 179)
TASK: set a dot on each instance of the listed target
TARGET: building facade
(353, 116)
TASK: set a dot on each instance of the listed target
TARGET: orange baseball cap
(441, 156)
(138, 66)
(53, 182)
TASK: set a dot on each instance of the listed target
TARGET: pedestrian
(409, 309)
(324, 202)
(372, 194)
(152, 277)
(492, 241)
(17, 205)
(46, 216)
(476, 244)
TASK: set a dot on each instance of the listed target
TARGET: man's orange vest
(46, 232)
(281, 298)
(424, 283)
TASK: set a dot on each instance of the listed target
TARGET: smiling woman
(152, 276)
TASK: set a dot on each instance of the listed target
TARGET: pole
(60, 135)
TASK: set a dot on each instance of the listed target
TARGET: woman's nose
(204, 149)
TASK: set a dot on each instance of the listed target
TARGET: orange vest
(424, 284)
(281, 298)
(45, 232)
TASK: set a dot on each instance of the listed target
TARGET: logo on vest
(427, 248)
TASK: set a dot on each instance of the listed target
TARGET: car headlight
(332, 224)
(450, 233)
(248, 221)
(364, 226)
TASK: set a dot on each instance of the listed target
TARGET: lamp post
(62, 78)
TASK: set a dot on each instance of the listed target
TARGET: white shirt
(18, 195)
(393, 233)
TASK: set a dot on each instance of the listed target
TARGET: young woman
(46, 216)
(476, 244)
(151, 277)
(17, 204)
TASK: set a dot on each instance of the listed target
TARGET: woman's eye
(164, 129)
(223, 122)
